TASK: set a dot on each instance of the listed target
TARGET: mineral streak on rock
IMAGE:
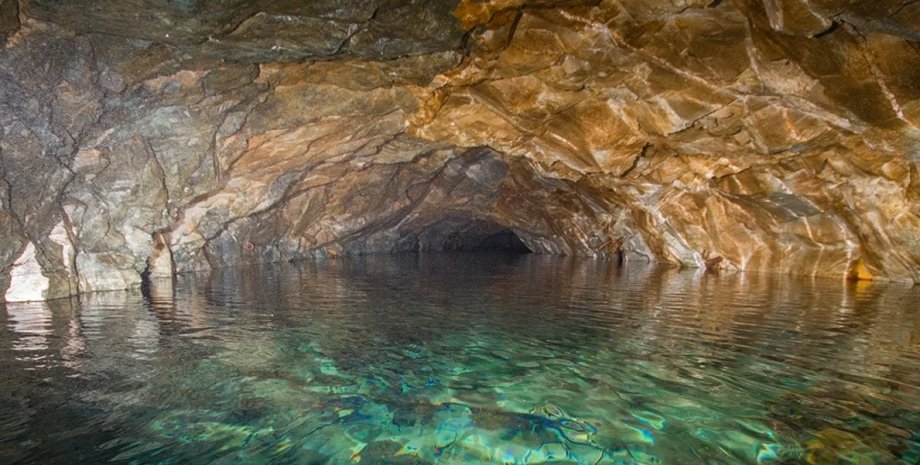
(159, 137)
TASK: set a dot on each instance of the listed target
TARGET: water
(453, 359)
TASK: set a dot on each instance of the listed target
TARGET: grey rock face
(268, 30)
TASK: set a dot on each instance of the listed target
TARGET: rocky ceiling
(176, 135)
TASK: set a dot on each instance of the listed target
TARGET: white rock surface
(27, 283)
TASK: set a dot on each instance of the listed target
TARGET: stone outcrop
(159, 137)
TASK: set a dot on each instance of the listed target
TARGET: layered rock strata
(148, 138)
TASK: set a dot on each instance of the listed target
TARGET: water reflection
(33, 322)
(463, 360)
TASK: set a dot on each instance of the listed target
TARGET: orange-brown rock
(759, 135)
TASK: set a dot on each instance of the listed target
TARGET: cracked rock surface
(167, 136)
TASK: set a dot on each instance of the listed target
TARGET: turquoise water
(466, 359)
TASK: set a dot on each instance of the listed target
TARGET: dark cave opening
(464, 235)
(505, 241)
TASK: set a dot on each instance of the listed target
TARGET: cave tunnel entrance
(466, 235)
(505, 241)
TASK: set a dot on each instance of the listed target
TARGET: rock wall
(156, 137)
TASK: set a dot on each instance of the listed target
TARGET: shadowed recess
(464, 235)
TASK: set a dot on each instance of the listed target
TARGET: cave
(374, 163)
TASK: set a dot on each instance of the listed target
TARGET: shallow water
(466, 359)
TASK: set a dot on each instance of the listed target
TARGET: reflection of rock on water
(32, 322)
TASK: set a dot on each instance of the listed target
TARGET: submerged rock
(768, 136)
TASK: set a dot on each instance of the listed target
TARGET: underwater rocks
(759, 135)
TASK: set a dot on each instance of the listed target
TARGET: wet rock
(777, 136)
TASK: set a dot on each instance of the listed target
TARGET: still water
(466, 359)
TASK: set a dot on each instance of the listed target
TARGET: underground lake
(465, 358)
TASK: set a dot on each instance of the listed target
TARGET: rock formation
(178, 135)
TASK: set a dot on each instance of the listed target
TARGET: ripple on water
(434, 359)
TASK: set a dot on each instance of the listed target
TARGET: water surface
(466, 359)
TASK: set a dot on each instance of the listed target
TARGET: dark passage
(505, 241)
(463, 235)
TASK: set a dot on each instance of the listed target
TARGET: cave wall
(165, 136)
